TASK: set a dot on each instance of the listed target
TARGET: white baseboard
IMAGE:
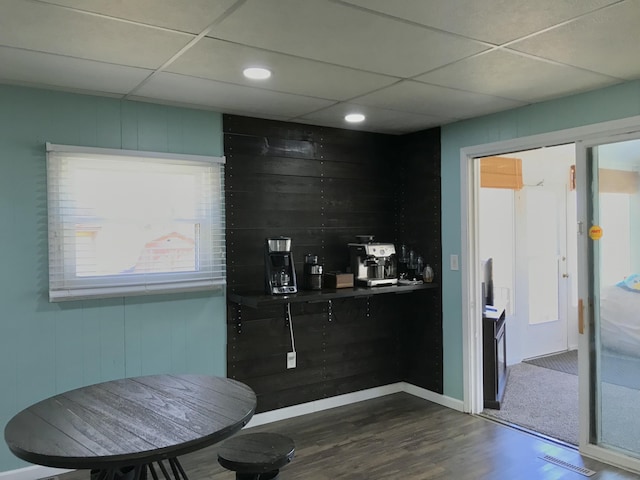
(32, 473)
(348, 398)
(38, 472)
(449, 402)
(324, 404)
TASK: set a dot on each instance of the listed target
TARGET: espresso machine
(280, 272)
(373, 264)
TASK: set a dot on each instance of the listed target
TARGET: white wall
(497, 236)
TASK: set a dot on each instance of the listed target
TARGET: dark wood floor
(401, 436)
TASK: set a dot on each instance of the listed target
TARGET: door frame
(470, 258)
(584, 293)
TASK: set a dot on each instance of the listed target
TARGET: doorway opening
(527, 232)
(593, 403)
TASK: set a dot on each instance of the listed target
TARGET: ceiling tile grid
(46, 28)
(56, 71)
(601, 42)
(423, 99)
(334, 33)
(227, 96)
(379, 119)
(191, 16)
(493, 21)
(508, 74)
(224, 61)
(407, 65)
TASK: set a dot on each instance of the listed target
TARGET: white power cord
(291, 356)
(293, 344)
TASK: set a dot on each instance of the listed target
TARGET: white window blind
(125, 222)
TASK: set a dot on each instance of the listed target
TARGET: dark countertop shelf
(256, 300)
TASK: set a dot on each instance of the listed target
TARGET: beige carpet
(542, 400)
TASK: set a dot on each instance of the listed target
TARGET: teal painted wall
(612, 103)
(48, 348)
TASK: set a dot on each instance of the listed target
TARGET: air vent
(569, 466)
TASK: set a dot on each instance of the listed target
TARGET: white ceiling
(407, 64)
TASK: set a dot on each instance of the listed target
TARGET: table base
(140, 472)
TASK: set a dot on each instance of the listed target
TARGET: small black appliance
(312, 277)
(280, 272)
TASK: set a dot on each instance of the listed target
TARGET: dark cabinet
(494, 354)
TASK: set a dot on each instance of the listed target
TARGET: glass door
(610, 296)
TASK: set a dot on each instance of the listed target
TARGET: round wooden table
(132, 423)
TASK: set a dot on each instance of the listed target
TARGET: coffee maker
(280, 272)
(373, 264)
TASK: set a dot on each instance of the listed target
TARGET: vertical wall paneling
(48, 348)
(321, 187)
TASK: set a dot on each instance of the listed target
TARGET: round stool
(256, 456)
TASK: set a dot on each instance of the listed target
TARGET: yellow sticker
(595, 232)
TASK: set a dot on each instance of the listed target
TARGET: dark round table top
(130, 421)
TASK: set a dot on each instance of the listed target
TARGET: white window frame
(65, 284)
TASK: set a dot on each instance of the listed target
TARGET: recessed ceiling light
(354, 117)
(256, 73)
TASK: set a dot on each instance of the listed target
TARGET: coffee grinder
(280, 273)
(312, 273)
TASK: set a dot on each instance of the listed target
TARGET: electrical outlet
(291, 360)
(453, 259)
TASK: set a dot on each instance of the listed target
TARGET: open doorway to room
(527, 229)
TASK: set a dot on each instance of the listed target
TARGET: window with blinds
(125, 222)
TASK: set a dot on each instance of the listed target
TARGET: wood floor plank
(402, 436)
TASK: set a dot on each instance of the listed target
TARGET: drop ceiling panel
(511, 75)
(343, 35)
(227, 97)
(224, 61)
(43, 69)
(416, 97)
(495, 21)
(192, 16)
(377, 119)
(52, 29)
(597, 42)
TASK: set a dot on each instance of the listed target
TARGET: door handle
(580, 317)
(565, 275)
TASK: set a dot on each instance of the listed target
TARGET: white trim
(568, 135)
(610, 457)
(32, 473)
(52, 147)
(449, 402)
(471, 338)
(349, 398)
(472, 360)
(324, 404)
(583, 293)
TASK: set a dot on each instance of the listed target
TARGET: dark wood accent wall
(321, 187)
(419, 226)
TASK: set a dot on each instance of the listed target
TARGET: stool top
(256, 452)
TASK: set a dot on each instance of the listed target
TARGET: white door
(541, 266)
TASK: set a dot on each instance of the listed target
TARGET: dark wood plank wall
(419, 226)
(321, 187)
